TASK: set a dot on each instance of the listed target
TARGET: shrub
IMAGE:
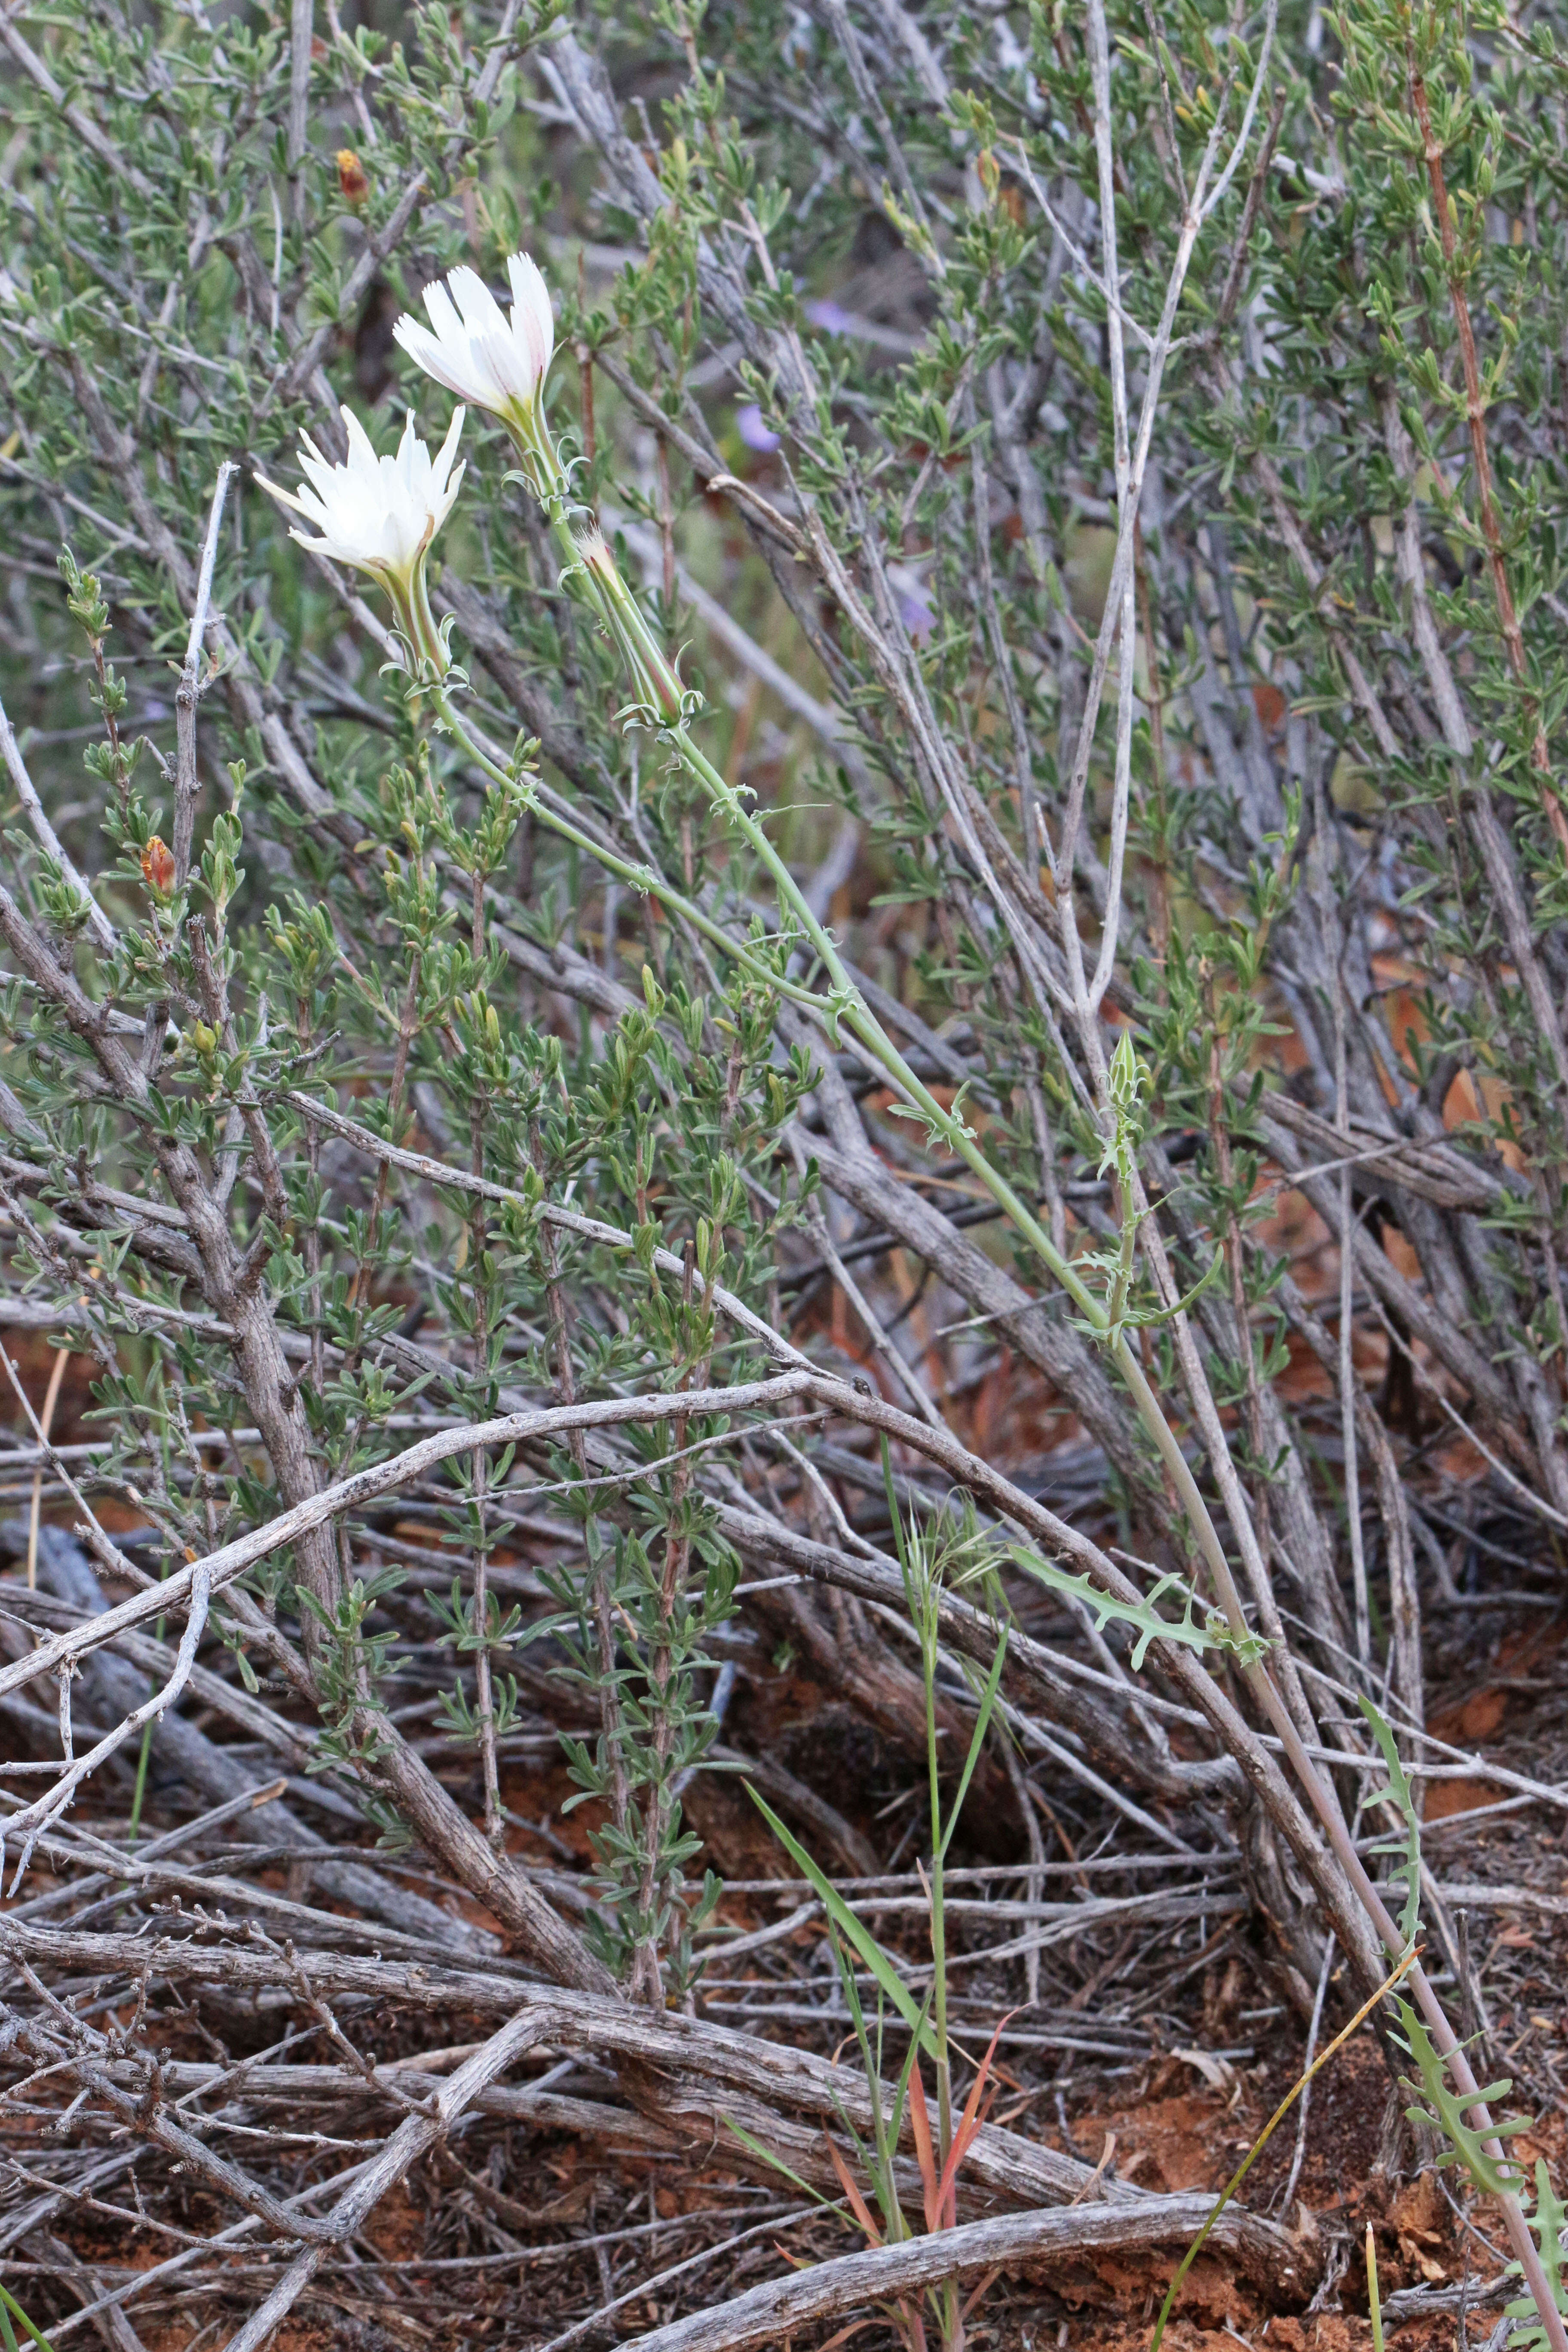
(1055, 757)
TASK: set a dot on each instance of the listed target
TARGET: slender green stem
(858, 1016)
(138, 1793)
(1374, 2300)
(640, 877)
(962, 1140)
(928, 1633)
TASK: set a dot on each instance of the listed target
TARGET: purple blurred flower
(915, 608)
(831, 316)
(753, 431)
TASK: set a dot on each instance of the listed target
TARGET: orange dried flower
(158, 866)
(353, 177)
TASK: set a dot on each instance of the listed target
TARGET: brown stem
(610, 1723)
(407, 1027)
(647, 1980)
(116, 753)
(1475, 415)
(1250, 211)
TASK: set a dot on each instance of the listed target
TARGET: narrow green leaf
(849, 1927)
(9, 2304)
(775, 2163)
(981, 1721)
(1408, 1848)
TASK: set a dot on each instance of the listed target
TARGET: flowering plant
(1063, 977)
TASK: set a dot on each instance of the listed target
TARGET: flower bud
(353, 177)
(158, 866)
(653, 676)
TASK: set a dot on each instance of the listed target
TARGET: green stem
(961, 1140)
(928, 1633)
(145, 1754)
(640, 877)
(859, 1017)
(140, 1791)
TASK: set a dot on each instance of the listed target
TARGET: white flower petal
(446, 481)
(378, 513)
(443, 311)
(482, 313)
(533, 320)
(474, 348)
(429, 352)
(284, 497)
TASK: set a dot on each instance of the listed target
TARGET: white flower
(475, 350)
(381, 514)
(378, 513)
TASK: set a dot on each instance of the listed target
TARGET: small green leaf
(1408, 1848)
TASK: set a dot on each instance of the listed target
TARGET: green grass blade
(8, 2304)
(981, 1721)
(849, 1927)
(776, 2163)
